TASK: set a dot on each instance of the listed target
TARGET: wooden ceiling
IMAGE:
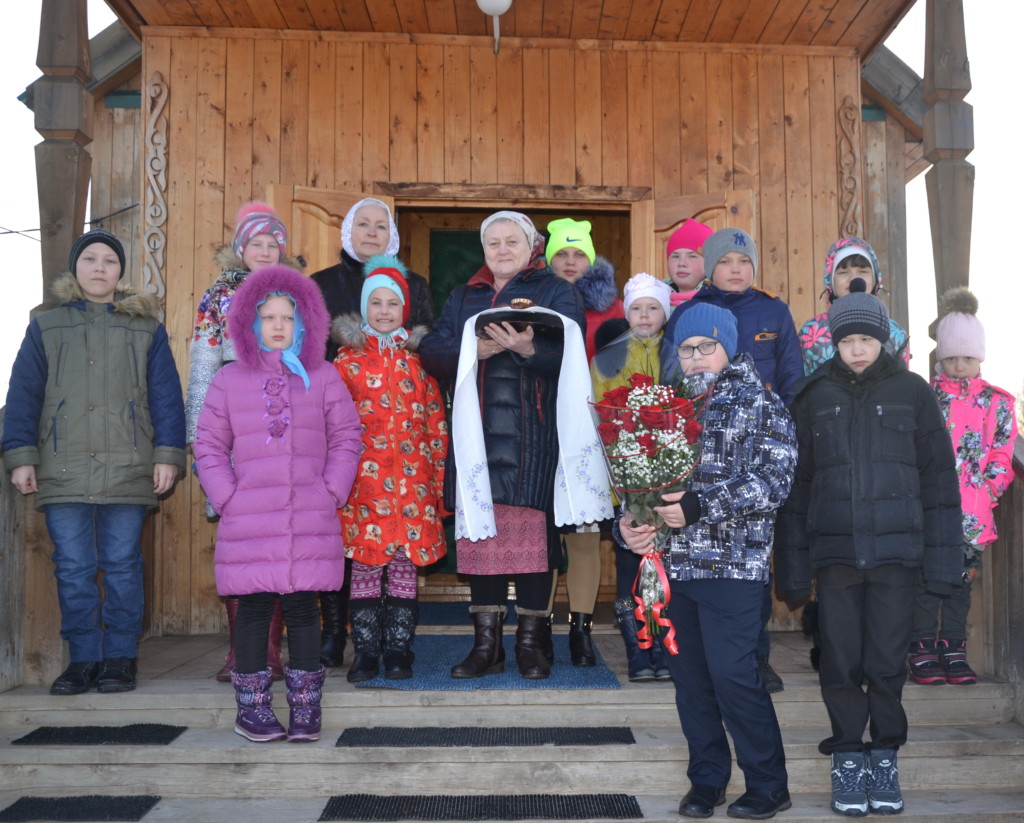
(857, 24)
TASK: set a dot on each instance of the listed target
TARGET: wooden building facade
(634, 115)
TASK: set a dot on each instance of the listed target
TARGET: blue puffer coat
(518, 395)
(765, 330)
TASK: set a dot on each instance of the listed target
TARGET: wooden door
(653, 221)
(314, 217)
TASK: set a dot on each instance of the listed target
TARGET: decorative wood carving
(154, 239)
(849, 168)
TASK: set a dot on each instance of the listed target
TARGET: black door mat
(138, 734)
(483, 807)
(87, 807)
(473, 736)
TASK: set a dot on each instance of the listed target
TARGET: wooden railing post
(1004, 578)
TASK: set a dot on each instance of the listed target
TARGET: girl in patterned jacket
(982, 423)
(392, 520)
(849, 257)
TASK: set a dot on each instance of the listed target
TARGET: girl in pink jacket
(982, 422)
(277, 446)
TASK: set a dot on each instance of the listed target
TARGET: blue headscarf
(289, 356)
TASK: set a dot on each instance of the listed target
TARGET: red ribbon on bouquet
(658, 609)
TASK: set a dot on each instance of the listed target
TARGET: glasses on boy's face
(705, 348)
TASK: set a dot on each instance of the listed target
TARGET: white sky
(992, 45)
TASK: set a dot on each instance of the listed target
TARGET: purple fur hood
(309, 303)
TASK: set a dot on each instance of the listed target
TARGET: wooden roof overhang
(857, 24)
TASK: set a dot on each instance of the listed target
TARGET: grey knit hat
(858, 313)
(722, 242)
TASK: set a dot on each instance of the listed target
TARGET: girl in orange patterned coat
(392, 521)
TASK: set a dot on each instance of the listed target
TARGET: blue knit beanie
(706, 320)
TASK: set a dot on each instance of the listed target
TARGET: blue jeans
(87, 538)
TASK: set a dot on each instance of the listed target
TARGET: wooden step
(207, 703)
(209, 762)
(941, 806)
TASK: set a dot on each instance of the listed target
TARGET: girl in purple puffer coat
(277, 447)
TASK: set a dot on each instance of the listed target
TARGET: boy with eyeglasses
(718, 563)
(766, 331)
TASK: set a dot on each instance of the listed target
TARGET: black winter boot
(530, 633)
(334, 631)
(399, 629)
(366, 616)
(488, 653)
(581, 647)
(638, 660)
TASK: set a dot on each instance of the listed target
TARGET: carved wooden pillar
(63, 116)
(948, 139)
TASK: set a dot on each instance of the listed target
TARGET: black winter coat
(342, 286)
(876, 480)
(518, 395)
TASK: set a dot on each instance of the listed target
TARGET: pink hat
(959, 332)
(690, 235)
(258, 218)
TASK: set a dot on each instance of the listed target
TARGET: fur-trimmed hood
(597, 286)
(226, 258)
(127, 300)
(347, 332)
(308, 302)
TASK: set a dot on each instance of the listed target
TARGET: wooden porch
(965, 756)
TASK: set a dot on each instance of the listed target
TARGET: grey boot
(399, 628)
(366, 617)
(638, 660)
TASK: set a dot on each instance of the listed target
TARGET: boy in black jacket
(875, 499)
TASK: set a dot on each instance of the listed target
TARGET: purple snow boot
(255, 719)
(304, 691)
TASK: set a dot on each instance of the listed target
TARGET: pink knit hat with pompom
(258, 218)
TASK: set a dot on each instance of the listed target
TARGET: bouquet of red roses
(650, 438)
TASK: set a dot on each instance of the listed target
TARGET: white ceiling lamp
(494, 8)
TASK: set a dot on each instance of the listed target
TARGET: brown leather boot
(274, 642)
(530, 635)
(488, 653)
(231, 606)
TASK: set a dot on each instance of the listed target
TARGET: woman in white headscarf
(509, 437)
(367, 230)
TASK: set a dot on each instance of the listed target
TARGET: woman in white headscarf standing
(367, 230)
(509, 437)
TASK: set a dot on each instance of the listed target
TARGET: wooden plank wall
(116, 184)
(248, 108)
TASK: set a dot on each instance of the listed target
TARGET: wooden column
(63, 116)
(948, 139)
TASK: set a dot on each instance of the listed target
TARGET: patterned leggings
(368, 581)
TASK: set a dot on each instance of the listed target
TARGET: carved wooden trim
(154, 239)
(849, 169)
